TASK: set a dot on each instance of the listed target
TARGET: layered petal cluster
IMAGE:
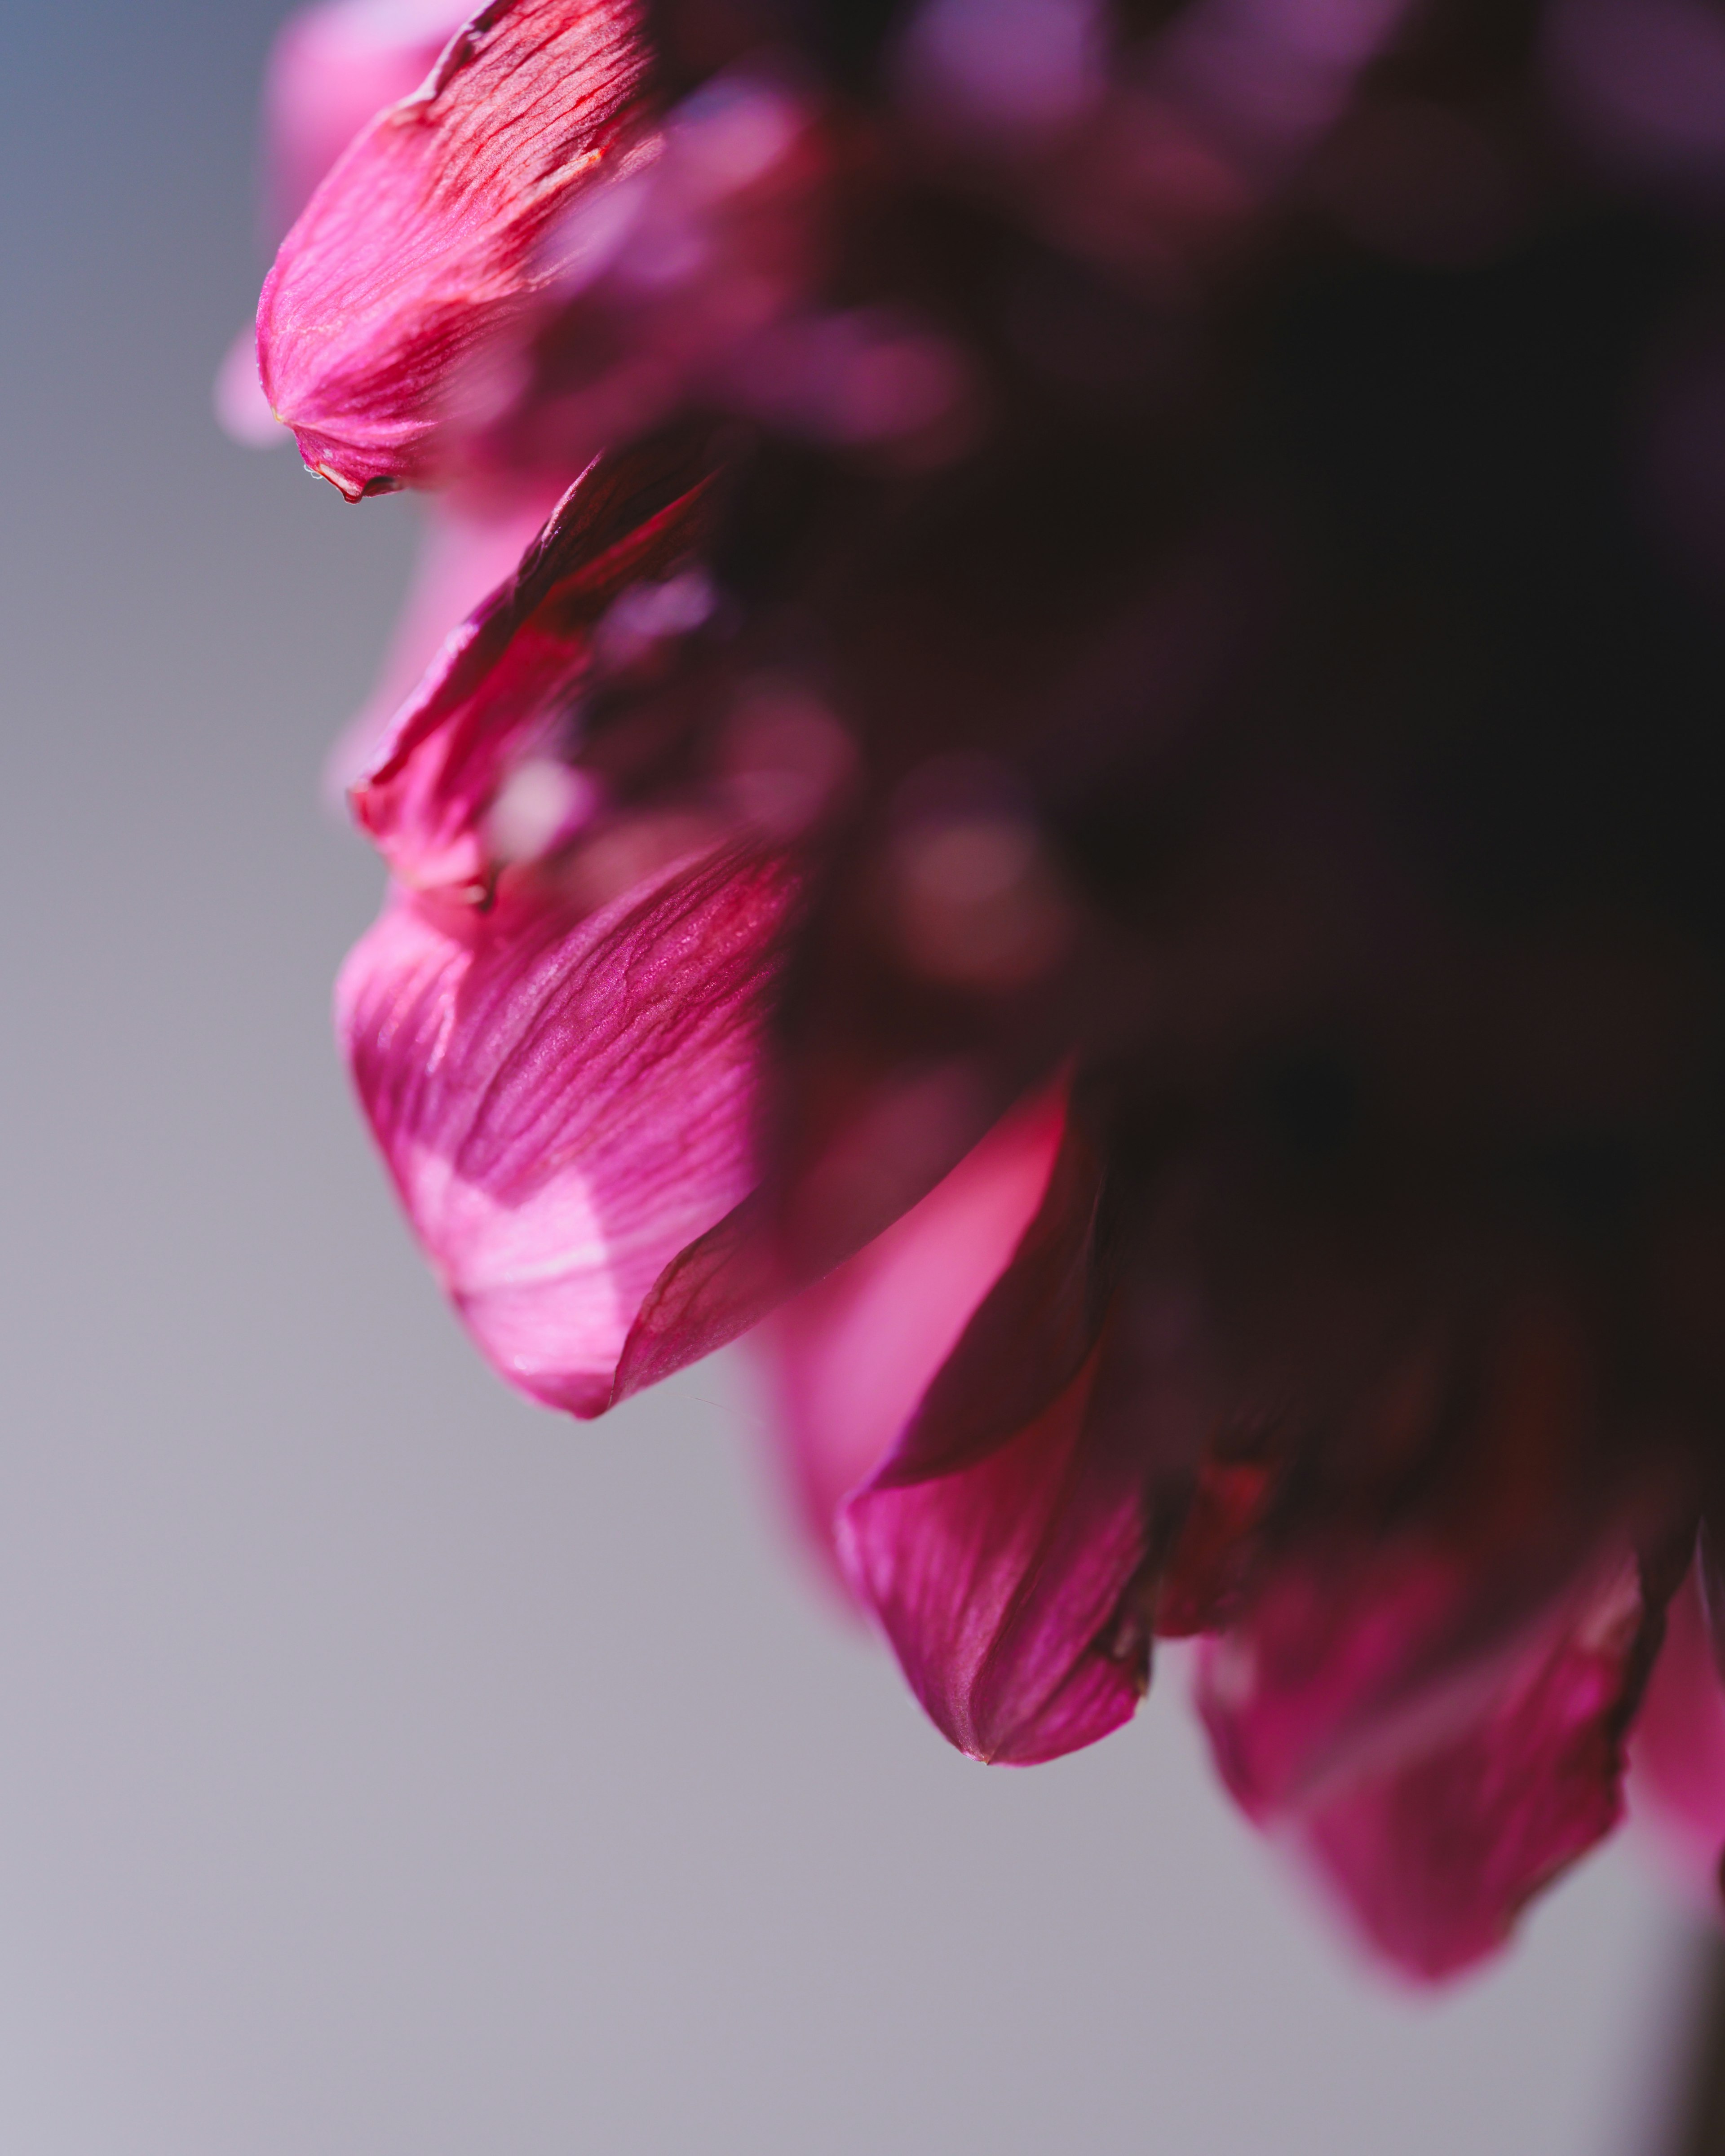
(1094, 805)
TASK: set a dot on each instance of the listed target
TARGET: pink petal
(1437, 1790)
(567, 1101)
(241, 408)
(1339, 1643)
(505, 683)
(331, 69)
(467, 549)
(1677, 1751)
(855, 1353)
(425, 245)
(1000, 1543)
(1438, 1857)
(997, 1587)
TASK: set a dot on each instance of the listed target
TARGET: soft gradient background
(389, 1770)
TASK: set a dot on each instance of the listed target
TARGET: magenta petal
(1437, 1789)
(466, 550)
(855, 1353)
(1336, 1646)
(426, 242)
(331, 69)
(1000, 1542)
(505, 681)
(1677, 1750)
(999, 1586)
(566, 1102)
(1437, 1855)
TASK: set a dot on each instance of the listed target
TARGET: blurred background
(386, 1766)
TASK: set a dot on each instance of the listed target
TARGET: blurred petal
(567, 1101)
(333, 68)
(854, 1354)
(1677, 1751)
(505, 683)
(1003, 1541)
(1438, 1789)
(1438, 1857)
(425, 241)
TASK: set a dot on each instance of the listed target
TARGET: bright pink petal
(999, 1587)
(1438, 1857)
(425, 244)
(467, 550)
(241, 408)
(1677, 1750)
(333, 68)
(1003, 1541)
(854, 1354)
(567, 1101)
(505, 685)
(1437, 1792)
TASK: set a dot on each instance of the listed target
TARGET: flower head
(1100, 792)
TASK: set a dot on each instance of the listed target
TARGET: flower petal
(425, 241)
(1677, 1751)
(466, 550)
(1006, 1542)
(331, 69)
(505, 683)
(852, 1354)
(566, 1100)
(1437, 1855)
(1437, 1789)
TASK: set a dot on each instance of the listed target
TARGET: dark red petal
(425, 245)
(567, 1101)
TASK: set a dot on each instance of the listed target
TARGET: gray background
(384, 1766)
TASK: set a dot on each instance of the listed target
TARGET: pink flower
(1095, 797)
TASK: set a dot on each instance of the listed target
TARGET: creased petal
(1004, 1543)
(426, 241)
(567, 1101)
(1437, 1817)
(854, 1354)
(505, 682)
